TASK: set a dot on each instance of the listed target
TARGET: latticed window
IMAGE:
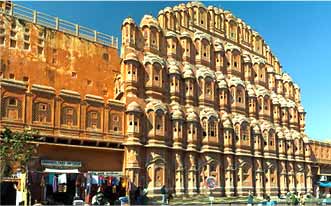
(133, 124)
(41, 112)
(244, 132)
(212, 128)
(11, 108)
(157, 79)
(116, 122)
(153, 39)
(69, 116)
(159, 124)
(93, 119)
(204, 127)
(237, 131)
(209, 91)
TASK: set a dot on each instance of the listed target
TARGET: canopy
(49, 170)
(325, 184)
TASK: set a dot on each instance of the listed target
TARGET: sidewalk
(204, 200)
(224, 201)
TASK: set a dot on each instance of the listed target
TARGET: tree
(15, 149)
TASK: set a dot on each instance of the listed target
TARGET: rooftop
(58, 24)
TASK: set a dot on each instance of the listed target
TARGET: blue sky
(299, 34)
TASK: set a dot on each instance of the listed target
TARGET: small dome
(261, 91)
(218, 45)
(217, 10)
(286, 77)
(239, 118)
(160, 12)
(280, 134)
(278, 77)
(231, 47)
(258, 60)
(291, 104)
(174, 69)
(283, 103)
(131, 56)
(222, 84)
(247, 58)
(192, 117)
(235, 81)
(257, 129)
(208, 113)
(187, 72)
(177, 114)
(201, 35)
(185, 35)
(197, 4)
(301, 109)
(128, 20)
(167, 9)
(155, 105)
(205, 72)
(171, 34)
(133, 107)
(219, 76)
(152, 58)
(274, 98)
(270, 70)
(149, 21)
(250, 91)
(227, 123)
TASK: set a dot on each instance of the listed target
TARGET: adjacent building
(195, 93)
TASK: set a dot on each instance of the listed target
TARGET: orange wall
(94, 64)
(92, 159)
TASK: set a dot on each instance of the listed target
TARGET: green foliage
(15, 147)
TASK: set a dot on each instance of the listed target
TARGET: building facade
(195, 93)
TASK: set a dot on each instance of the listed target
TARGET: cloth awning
(325, 184)
(62, 171)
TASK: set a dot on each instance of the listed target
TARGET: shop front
(61, 174)
(12, 190)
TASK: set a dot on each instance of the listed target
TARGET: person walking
(164, 193)
(250, 199)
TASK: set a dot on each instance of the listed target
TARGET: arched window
(157, 76)
(233, 30)
(240, 95)
(212, 128)
(266, 103)
(272, 138)
(237, 131)
(245, 132)
(154, 43)
(208, 88)
(132, 72)
(203, 18)
(133, 123)
(260, 102)
(204, 127)
(145, 34)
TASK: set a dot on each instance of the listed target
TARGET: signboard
(107, 173)
(61, 164)
(211, 182)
